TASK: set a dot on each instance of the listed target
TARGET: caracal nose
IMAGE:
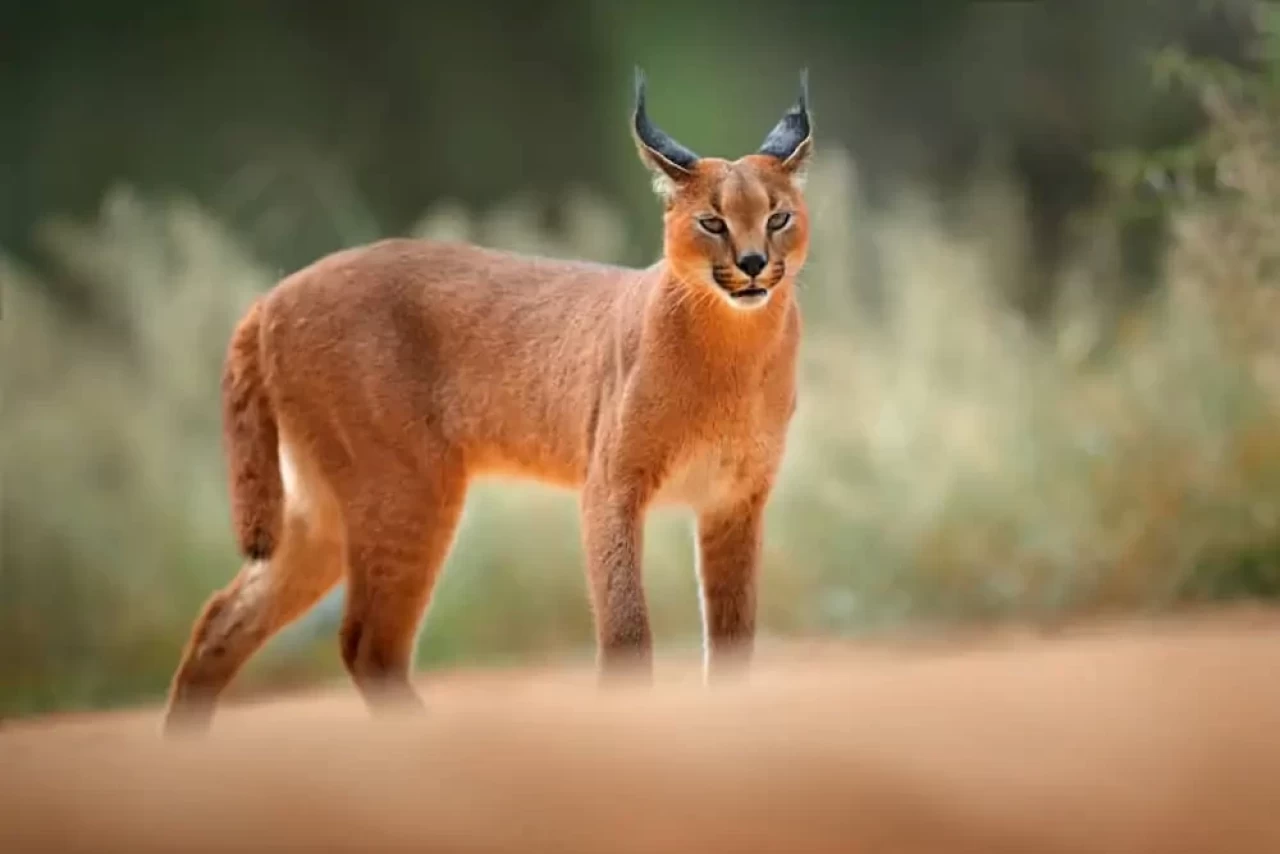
(752, 263)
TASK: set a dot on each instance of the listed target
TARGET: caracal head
(738, 228)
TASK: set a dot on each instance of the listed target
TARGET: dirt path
(1125, 738)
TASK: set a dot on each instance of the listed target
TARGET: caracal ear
(670, 162)
(791, 139)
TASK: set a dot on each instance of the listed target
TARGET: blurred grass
(947, 462)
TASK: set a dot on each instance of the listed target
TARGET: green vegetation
(948, 460)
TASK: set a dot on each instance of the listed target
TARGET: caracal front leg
(730, 541)
(612, 525)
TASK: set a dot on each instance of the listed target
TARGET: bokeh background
(1042, 371)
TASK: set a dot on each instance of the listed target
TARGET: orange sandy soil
(1125, 736)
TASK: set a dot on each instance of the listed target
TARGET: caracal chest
(721, 467)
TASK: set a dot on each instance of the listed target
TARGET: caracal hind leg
(729, 547)
(236, 621)
(402, 528)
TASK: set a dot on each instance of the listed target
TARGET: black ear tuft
(667, 154)
(794, 129)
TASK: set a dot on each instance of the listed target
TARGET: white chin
(748, 301)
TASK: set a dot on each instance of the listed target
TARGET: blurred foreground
(1127, 737)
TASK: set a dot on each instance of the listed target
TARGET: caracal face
(739, 231)
(733, 229)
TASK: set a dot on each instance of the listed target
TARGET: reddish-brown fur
(389, 377)
(250, 440)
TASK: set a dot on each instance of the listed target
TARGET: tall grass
(946, 462)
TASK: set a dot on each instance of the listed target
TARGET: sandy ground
(1123, 737)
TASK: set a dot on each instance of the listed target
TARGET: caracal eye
(712, 224)
(779, 220)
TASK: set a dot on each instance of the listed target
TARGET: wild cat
(363, 394)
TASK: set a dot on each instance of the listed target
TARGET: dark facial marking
(777, 270)
(722, 275)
